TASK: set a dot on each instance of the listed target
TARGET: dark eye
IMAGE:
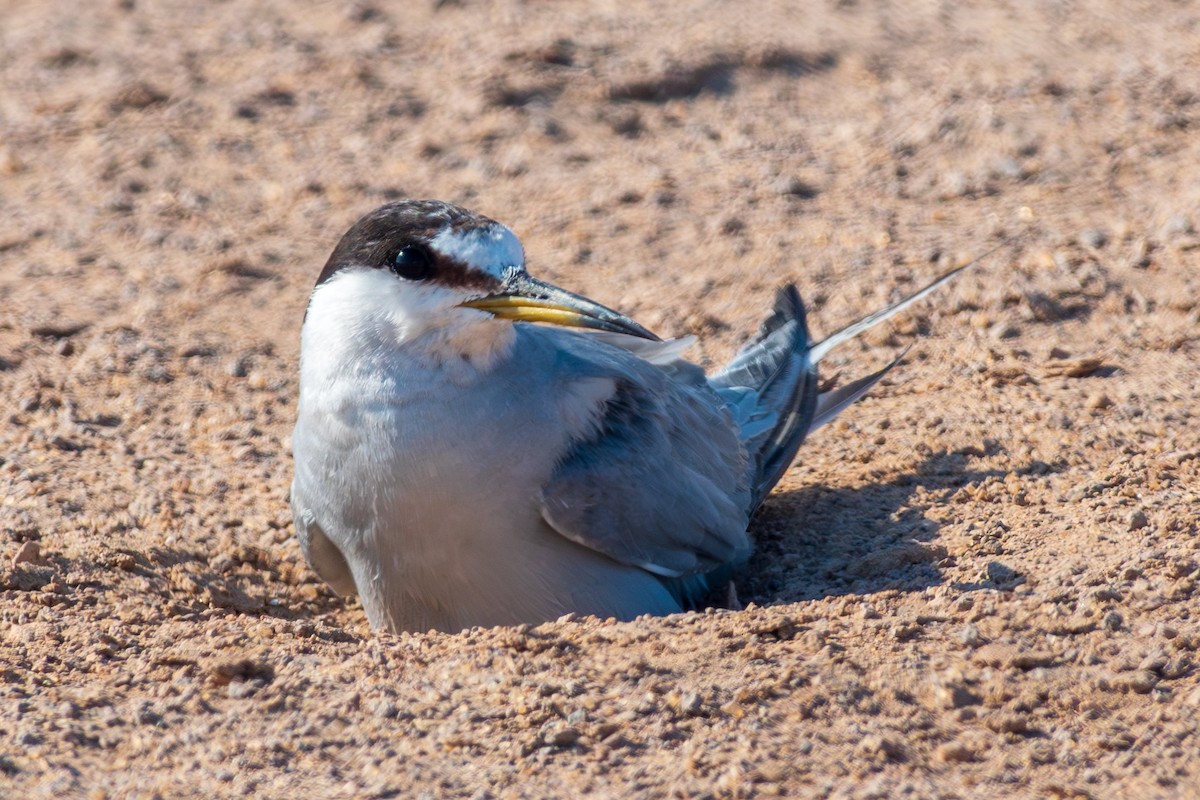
(412, 263)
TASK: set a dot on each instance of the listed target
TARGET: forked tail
(770, 386)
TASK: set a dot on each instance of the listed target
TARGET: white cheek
(361, 302)
(418, 308)
(360, 315)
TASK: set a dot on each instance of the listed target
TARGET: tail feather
(821, 348)
(770, 387)
(835, 401)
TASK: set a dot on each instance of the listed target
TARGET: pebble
(1093, 238)
(1136, 520)
(1176, 668)
(1032, 659)
(1008, 723)
(1001, 574)
(1177, 225)
(1098, 400)
(1181, 567)
(1154, 662)
(883, 562)
(881, 746)
(1004, 330)
(1139, 256)
(1141, 681)
(954, 752)
(30, 553)
(562, 737)
(136, 96)
(385, 709)
(791, 185)
(953, 695)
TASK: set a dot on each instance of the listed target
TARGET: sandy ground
(980, 583)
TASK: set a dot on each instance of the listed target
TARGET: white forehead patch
(493, 249)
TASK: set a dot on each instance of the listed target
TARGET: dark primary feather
(771, 388)
(835, 401)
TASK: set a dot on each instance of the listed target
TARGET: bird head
(431, 266)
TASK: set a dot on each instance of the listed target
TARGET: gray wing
(319, 550)
(662, 482)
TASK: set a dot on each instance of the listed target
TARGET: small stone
(240, 690)
(1177, 225)
(30, 553)
(883, 747)
(970, 636)
(1001, 574)
(883, 562)
(791, 185)
(1181, 567)
(955, 184)
(1008, 723)
(562, 737)
(732, 225)
(1113, 621)
(1137, 520)
(1009, 167)
(953, 695)
(1032, 659)
(1094, 238)
(954, 752)
(995, 654)
(1141, 681)
(1176, 668)
(626, 122)
(1004, 330)
(385, 709)
(1139, 255)
(1154, 662)
(136, 96)
(1086, 489)
(1098, 400)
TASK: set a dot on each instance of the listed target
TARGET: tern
(458, 465)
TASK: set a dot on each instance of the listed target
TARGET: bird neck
(384, 347)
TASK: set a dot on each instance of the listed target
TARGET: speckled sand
(980, 583)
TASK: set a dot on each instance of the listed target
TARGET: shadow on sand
(820, 541)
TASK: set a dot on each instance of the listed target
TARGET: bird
(475, 447)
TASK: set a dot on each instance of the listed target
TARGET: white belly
(433, 503)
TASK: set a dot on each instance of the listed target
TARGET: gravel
(979, 582)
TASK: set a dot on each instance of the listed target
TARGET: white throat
(364, 321)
